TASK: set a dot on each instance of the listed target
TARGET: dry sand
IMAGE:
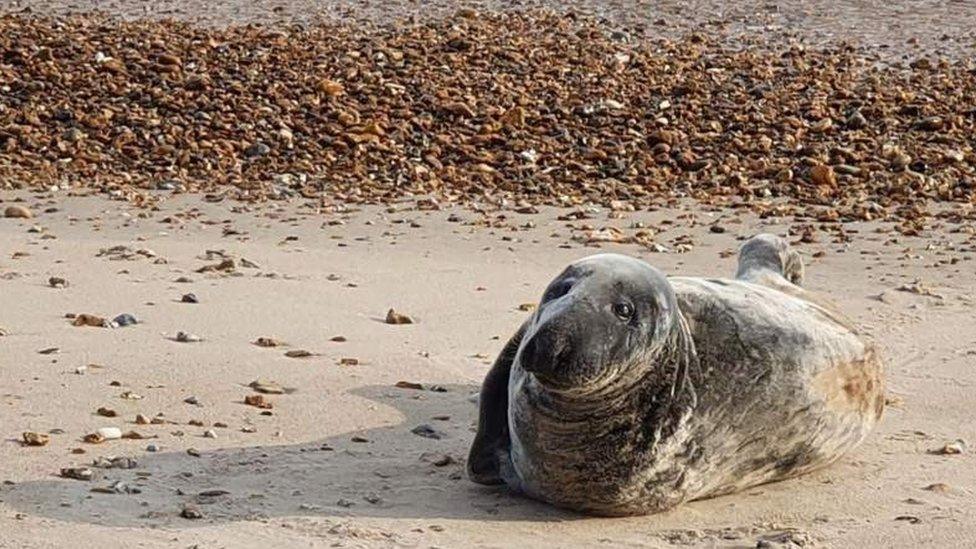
(301, 480)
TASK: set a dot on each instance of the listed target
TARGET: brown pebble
(191, 512)
(257, 401)
(267, 342)
(77, 473)
(35, 439)
(823, 175)
(106, 412)
(393, 317)
(21, 212)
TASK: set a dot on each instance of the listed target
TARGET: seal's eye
(623, 310)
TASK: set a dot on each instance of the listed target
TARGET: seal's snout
(546, 350)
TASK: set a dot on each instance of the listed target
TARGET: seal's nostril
(559, 289)
(546, 351)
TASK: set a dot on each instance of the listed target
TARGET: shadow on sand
(395, 474)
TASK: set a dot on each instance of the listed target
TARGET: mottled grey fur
(707, 387)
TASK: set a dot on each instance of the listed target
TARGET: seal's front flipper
(768, 259)
(492, 439)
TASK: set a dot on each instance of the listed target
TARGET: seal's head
(596, 321)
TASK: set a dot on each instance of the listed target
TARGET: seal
(628, 392)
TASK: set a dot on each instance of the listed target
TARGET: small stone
(106, 412)
(427, 431)
(267, 387)
(35, 439)
(210, 433)
(267, 342)
(299, 353)
(823, 175)
(109, 433)
(822, 125)
(955, 447)
(77, 473)
(189, 298)
(373, 498)
(954, 156)
(124, 319)
(348, 361)
(225, 265)
(152, 448)
(257, 149)
(89, 320)
(117, 487)
(331, 88)
(338, 339)
(118, 462)
(193, 452)
(57, 282)
(258, 401)
(142, 420)
(192, 400)
(191, 512)
(393, 317)
(525, 307)
(930, 124)
(185, 337)
(409, 385)
(938, 487)
(20, 212)
(856, 121)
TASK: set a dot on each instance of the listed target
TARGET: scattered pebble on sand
(394, 317)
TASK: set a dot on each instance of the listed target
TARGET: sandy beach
(336, 462)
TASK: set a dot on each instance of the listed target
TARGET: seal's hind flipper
(492, 439)
(765, 258)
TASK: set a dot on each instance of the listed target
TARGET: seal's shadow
(395, 474)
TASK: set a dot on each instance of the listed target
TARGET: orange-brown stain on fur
(855, 386)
